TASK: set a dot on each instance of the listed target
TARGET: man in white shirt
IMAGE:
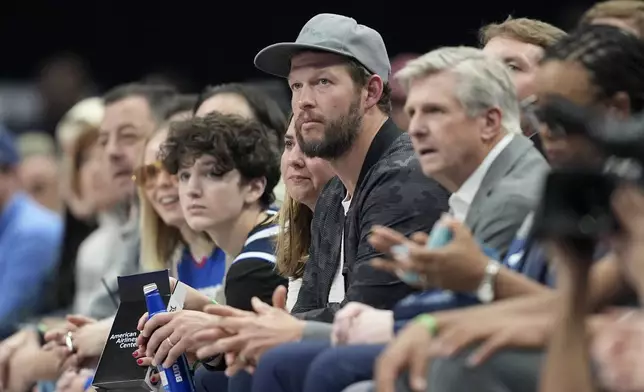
(465, 128)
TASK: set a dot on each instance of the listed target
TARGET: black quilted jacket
(391, 191)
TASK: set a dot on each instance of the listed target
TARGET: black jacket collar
(385, 137)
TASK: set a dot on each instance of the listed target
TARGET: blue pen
(176, 378)
(89, 382)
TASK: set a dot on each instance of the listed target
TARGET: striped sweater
(252, 273)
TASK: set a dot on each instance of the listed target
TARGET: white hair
(483, 81)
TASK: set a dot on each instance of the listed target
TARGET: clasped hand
(252, 333)
(357, 323)
(87, 335)
(166, 336)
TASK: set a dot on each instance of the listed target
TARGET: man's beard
(339, 135)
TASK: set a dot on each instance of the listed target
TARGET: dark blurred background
(55, 52)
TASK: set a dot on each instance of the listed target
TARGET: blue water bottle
(176, 378)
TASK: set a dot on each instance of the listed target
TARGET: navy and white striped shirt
(253, 273)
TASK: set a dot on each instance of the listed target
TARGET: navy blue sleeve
(248, 278)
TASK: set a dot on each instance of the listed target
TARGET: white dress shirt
(337, 292)
(461, 200)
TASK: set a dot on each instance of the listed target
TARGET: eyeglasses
(147, 174)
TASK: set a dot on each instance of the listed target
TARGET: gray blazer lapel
(502, 165)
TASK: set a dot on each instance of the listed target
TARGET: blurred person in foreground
(30, 239)
(39, 171)
(598, 66)
(625, 14)
(616, 350)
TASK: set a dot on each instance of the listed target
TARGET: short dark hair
(159, 97)
(614, 58)
(264, 108)
(360, 76)
(235, 142)
(181, 103)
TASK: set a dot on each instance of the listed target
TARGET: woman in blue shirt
(166, 239)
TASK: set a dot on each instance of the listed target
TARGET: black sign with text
(117, 368)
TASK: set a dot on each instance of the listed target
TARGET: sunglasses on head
(147, 174)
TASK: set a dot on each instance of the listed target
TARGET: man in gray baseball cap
(338, 72)
(332, 59)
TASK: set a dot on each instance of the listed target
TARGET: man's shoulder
(525, 179)
(262, 234)
(399, 175)
(528, 162)
(513, 196)
(33, 220)
(532, 160)
(399, 157)
(331, 195)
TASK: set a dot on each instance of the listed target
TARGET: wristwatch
(485, 292)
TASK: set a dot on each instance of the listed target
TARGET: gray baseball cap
(330, 33)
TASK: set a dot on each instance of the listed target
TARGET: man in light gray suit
(465, 127)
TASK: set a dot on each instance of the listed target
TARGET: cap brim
(276, 59)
